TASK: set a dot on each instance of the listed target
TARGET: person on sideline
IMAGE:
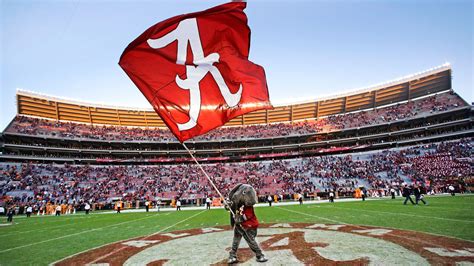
(29, 210)
(87, 208)
(147, 206)
(178, 204)
(451, 190)
(418, 192)
(208, 203)
(158, 204)
(10, 213)
(119, 206)
(58, 210)
(270, 200)
(406, 193)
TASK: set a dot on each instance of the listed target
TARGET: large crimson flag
(194, 69)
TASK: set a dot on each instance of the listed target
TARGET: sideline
(119, 241)
(285, 203)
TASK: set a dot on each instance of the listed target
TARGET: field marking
(289, 210)
(28, 231)
(432, 206)
(407, 214)
(78, 233)
(143, 238)
(19, 231)
(52, 216)
(394, 235)
(115, 242)
(320, 217)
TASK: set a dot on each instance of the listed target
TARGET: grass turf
(42, 240)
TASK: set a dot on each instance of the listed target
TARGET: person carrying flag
(198, 93)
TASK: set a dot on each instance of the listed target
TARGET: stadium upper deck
(435, 80)
(433, 112)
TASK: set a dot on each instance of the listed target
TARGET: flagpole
(208, 177)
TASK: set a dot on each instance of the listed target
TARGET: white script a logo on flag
(187, 31)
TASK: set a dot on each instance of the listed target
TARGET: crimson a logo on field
(295, 244)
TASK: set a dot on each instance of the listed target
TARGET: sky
(309, 49)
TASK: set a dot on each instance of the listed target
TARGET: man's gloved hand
(238, 219)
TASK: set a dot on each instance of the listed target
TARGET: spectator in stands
(436, 103)
(438, 164)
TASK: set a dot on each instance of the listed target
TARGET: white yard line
(407, 214)
(68, 223)
(78, 233)
(34, 230)
(312, 215)
(78, 215)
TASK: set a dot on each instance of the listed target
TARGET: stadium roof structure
(416, 85)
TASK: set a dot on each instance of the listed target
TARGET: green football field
(42, 240)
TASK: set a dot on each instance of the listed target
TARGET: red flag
(195, 72)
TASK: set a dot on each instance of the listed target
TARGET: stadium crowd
(432, 104)
(435, 166)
